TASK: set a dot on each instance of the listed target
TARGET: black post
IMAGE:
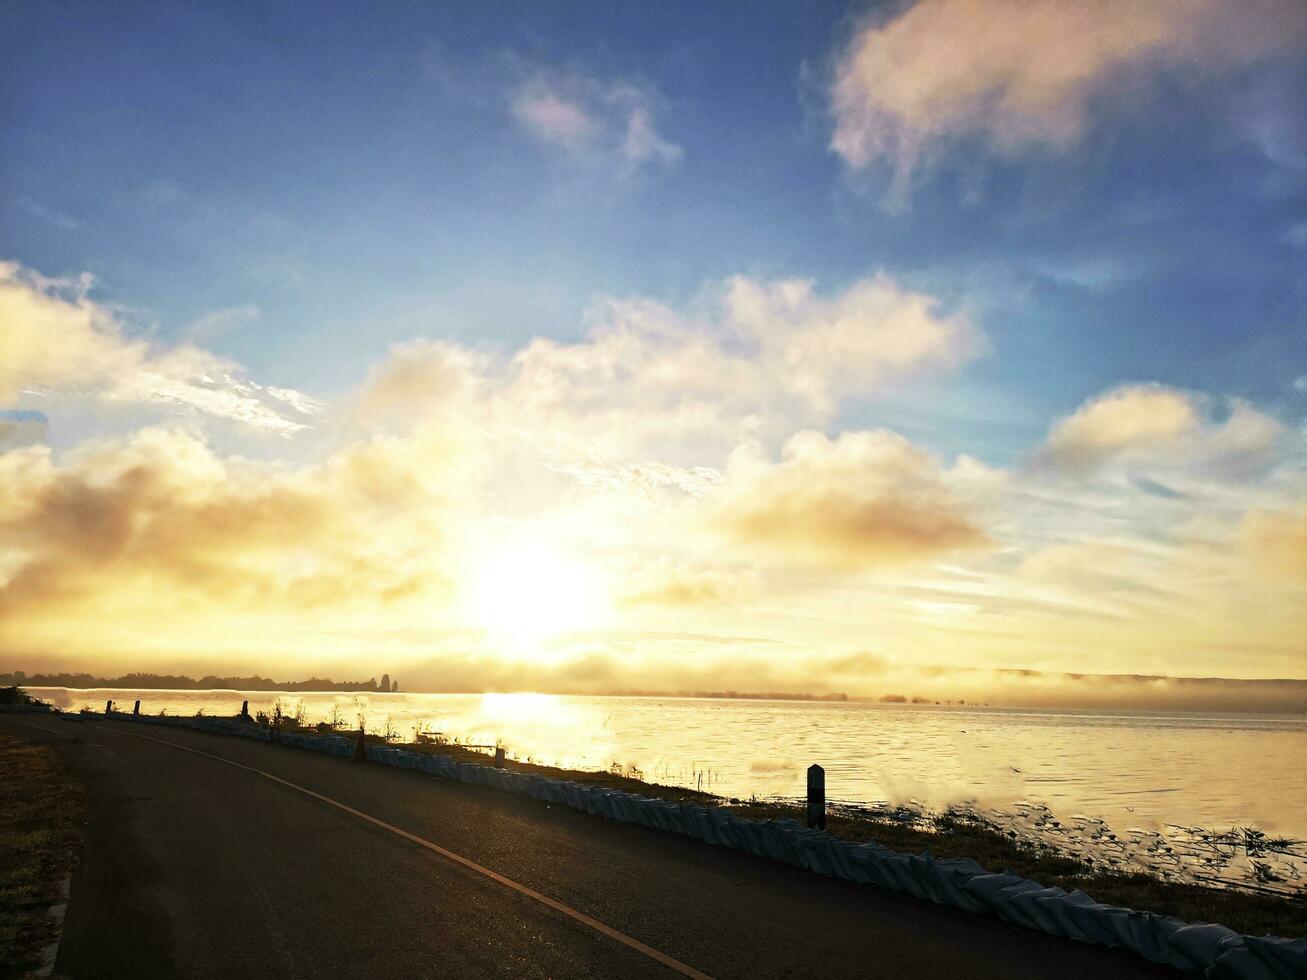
(136, 709)
(360, 753)
(499, 757)
(816, 797)
(108, 706)
(245, 710)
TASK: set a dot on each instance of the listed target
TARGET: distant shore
(1010, 689)
(177, 682)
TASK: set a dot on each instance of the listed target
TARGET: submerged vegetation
(40, 832)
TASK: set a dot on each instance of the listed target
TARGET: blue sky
(297, 188)
(356, 175)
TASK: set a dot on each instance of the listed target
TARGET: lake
(1140, 769)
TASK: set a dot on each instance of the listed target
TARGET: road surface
(194, 867)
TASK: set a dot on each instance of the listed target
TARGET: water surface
(1143, 769)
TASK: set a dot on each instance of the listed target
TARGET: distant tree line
(175, 682)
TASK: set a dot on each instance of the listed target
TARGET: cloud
(863, 499)
(664, 582)
(753, 356)
(1278, 541)
(49, 215)
(219, 322)
(1133, 417)
(22, 428)
(55, 341)
(160, 523)
(1019, 74)
(555, 120)
(1160, 425)
(607, 124)
(642, 143)
(418, 380)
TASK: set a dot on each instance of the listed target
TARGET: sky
(772, 346)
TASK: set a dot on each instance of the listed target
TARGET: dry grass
(41, 816)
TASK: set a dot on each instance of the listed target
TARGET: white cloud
(1160, 426)
(606, 124)
(555, 120)
(57, 342)
(1029, 73)
(753, 359)
(643, 144)
(219, 322)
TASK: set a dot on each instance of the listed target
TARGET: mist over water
(1132, 768)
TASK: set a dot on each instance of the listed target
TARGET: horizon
(1014, 689)
(687, 349)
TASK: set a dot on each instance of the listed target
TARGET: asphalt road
(197, 868)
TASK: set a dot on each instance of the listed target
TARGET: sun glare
(524, 594)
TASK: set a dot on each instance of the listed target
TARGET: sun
(523, 593)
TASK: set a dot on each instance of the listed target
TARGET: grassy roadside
(994, 850)
(41, 816)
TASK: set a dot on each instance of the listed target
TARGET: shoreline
(1189, 843)
(1292, 707)
(955, 836)
(944, 836)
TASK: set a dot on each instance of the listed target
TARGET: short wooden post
(817, 797)
(499, 757)
(136, 709)
(108, 707)
(245, 710)
(360, 752)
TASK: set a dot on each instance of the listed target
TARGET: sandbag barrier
(1198, 947)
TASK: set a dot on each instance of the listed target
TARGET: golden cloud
(863, 499)
(1154, 423)
(1278, 541)
(663, 582)
(160, 521)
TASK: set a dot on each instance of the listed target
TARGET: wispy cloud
(1023, 74)
(1278, 540)
(55, 341)
(48, 214)
(602, 123)
(213, 325)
